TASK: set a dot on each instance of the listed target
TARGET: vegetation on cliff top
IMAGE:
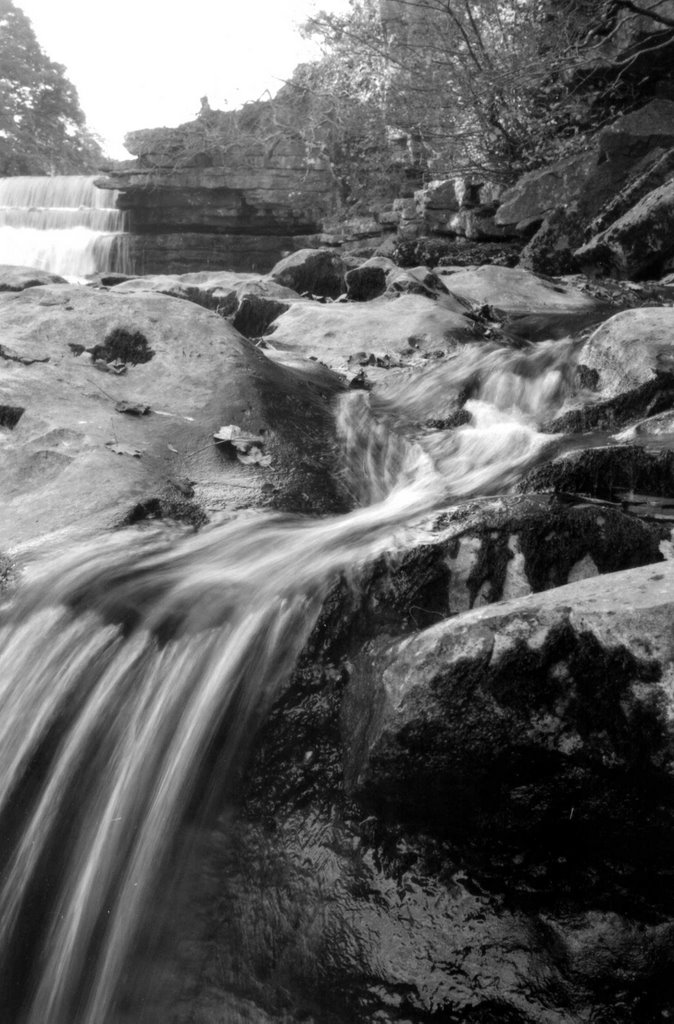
(42, 126)
(492, 87)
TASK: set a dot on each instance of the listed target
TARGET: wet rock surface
(515, 290)
(71, 462)
(332, 332)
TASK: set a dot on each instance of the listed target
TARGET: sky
(147, 63)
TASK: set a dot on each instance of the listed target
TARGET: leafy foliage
(491, 87)
(42, 127)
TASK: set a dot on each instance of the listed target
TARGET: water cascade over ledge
(123, 662)
(63, 224)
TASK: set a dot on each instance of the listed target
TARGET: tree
(494, 87)
(42, 127)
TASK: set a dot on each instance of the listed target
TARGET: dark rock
(516, 546)
(365, 282)
(658, 170)
(312, 271)
(106, 279)
(551, 250)
(255, 314)
(637, 243)
(538, 721)
(635, 134)
(185, 252)
(538, 193)
(606, 473)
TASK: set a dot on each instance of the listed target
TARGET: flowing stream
(122, 662)
(63, 224)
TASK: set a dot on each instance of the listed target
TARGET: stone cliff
(231, 189)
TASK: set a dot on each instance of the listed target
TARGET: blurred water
(122, 663)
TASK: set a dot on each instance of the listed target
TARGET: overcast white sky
(146, 63)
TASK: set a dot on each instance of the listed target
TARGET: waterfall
(124, 662)
(61, 224)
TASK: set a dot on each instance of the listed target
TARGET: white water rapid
(122, 662)
(62, 224)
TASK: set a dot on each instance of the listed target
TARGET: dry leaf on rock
(246, 447)
(123, 449)
(132, 408)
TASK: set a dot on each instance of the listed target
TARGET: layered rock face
(229, 190)
(607, 211)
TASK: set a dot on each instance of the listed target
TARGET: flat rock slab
(334, 331)
(73, 462)
(513, 290)
(15, 279)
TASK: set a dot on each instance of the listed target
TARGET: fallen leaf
(132, 408)
(172, 449)
(123, 449)
(234, 435)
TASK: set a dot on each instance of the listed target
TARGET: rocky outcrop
(592, 193)
(537, 194)
(527, 718)
(637, 243)
(222, 177)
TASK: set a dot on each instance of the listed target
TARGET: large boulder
(629, 476)
(632, 348)
(515, 546)
(635, 134)
(538, 193)
(314, 271)
(637, 243)
(625, 371)
(587, 192)
(551, 250)
(536, 721)
(659, 169)
(110, 405)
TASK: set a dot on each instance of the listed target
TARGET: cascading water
(61, 224)
(123, 662)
